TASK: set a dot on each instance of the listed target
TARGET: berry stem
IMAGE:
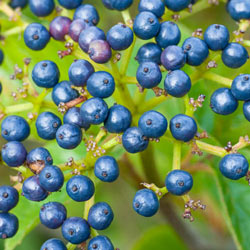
(217, 78)
(176, 155)
(126, 16)
(111, 143)
(189, 108)
(208, 148)
(18, 108)
(152, 103)
(129, 80)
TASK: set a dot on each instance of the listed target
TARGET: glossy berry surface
(234, 55)
(9, 198)
(118, 120)
(45, 74)
(59, 27)
(8, 225)
(75, 230)
(70, 4)
(15, 128)
(51, 178)
(53, 214)
(39, 155)
(177, 5)
(223, 102)
(146, 202)
(156, 7)
(148, 75)
(41, 8)
(246, 110)
(169, 34)
(146, 25)
(183, 127)
(94, 111)
(239, 9)
(234, 166)
(216, 37)
(179, 182)
(117, 4)
(18, 3)
(173, 57)
(177, 83)
(153, 124)
(88, 13)
(53, 244)
(47, 124)
(134, 141)
(240, 87)
(101, 84)
(100, 216)
(76, 27)
(100, 242)
(106, 169)
(14, 154)
(80, 188)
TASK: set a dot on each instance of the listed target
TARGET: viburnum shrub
(148, 99)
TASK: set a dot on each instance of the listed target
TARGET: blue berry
(246, 110)
(101, 84)
(177, 83)
(51, 178)
(119, 119)
(94, 111)
(73, 116)
(45, 74)
(80, 188)
(36, 36)
(70, 4)
(88, 35)
(75, 230)
(69, 136)
(9, 198)
(59, 27)
(149, 52)
(148, 75)
(120, 37)
(47, 124)
(153, 124)
(106, 169)
(39, 154)
(32, 189)
(134, 141)
(100, 216)
(117, 4)
(196, 51)
(41, 8)
(1, 56)
(1, 88)
(239, 9)
(79, 72)
(63, 92)
(100, 242)
(183, 127)
(179, 182)
(15, 128)
(234, 166)
(76, 27)
(169, 34)
(146, 25)
(223, 102)
(173, 57)
(53, 244)
(177, 5)
(234, 55)
(53, 214)
(18, 3)
(14, 154)
(156, 7)
(240, 87)
(8, 225)
(88, 13)
(216, 37)
(146, 202)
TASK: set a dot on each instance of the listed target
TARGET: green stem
(111, 143)
(189, 108)
(208, 148)
(126, 16)
(153, 102)
(217, 78)
(176, 155)
(129, 80)
(18, 108)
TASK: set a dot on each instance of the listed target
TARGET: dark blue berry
(183, 127)
(146, 202)
(179, 182)
(134, 141)
(117, 4)
(41, 8)
(53, 214)
(36, 36)
(14, 154)
(100, 242)
(239, 9)
(119, 119)
(234, 55)
(70, 4)
(156, 6)
(148, 75)
(177, 83)
(75, 230)
(88, 13)
(80, 188)
(100, 216)
(216, 37)
(45, 74)
(106, 169)
(59, 27)
(1, 88)
(177, 5)
(234, 166)
(76, 27)
(9, 198)
(240, 87)
(8, 225)
(47, 124)
(15, 128)
(1, 56)
(146, 25)
(246, 110)
(120, 37)
(18, 3)
(173, 57)
(196, 51)
(53, 244)
(39, 154)
(169, 34)
(223, 102)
